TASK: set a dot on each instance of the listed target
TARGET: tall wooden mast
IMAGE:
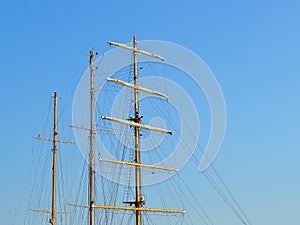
(54, 150)
(135, 122)
(137, 140)
(92, 137)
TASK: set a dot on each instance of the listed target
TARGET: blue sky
(252, 47)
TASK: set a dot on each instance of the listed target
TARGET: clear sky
(252, 47)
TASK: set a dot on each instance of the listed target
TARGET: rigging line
(161, 197)
(79, 71)
(178, 192)
(64, 106)
(149, 65)
(180, 221)
(231, 195)
(163, 73)
(204, 213)
(62, 193)
(44, 173)
(202, 209)
(173, 191)
(115, 171)
(25, 186)
(225, 186)
(119, 177)
(198, 203)
(181, 191)
(34, 177)
(192, 195)
(191, 221)
(69, 98)
(59, 187)
(241, 214)
(221, 193)
(81, 180)
(103, 191)
(46, 122)
(228, 202)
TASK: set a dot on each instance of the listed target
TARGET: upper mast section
(135, 86)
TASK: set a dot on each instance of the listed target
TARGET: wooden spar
(51, 140)
(138, 88)
(127, 208)
(134, 124)
(48, 212)
(139, 209)
(88, 129)
(77, 205)
(138, 164)
(134, 49)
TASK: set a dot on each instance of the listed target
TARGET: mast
(54, 142)
(137, 141)
(92, 137)
(135, 122)
(54, 150)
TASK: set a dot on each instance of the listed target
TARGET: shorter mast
(54, 166)
(92, 132)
